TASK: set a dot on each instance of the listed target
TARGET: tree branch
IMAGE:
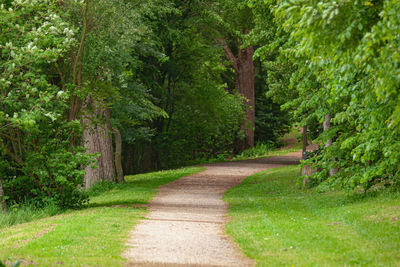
(11, 155)
(230, 56)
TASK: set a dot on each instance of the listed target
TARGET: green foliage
(343, 61)
(259, 150)
(36, 158)
(181, 72)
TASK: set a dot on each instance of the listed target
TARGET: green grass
(26, 213)
(262, 150)
(94, 236)
(279, 224)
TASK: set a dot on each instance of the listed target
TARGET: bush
(38, 156)
(259, 150)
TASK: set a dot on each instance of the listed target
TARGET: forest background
(93, 90)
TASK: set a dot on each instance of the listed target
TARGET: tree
(100, 65)
(201, 118)
(341, 54)
(234, 21)
(37, 160)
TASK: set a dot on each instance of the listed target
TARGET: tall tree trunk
(327, 125)
(118, 156)
(245, 86)
(91, 143)
(106, 145)
(2, 198)
(244, 69)
(97, 138)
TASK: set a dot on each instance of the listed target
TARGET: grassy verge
(26, 213)
(94, 236)
(278, 224)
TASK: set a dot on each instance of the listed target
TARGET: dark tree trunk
(2, 198)
(244, 69)
(245, 86)
(118, 156)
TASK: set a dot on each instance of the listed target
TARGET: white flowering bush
(37, 160)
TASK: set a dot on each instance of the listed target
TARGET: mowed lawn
(94, 236)
(279, 224)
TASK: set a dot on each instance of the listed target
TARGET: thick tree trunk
(244, 69)
(245, 86)
(91, 143)
(2, 198)
(106, 145)
(118, 156)
(97, 138)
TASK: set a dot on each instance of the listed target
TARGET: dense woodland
(92, 90)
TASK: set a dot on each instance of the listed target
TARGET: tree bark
(106, 145)
(118, 155)
(244, 69)
(2, 198)
(245, 86)
(97, 138)
(91, 143)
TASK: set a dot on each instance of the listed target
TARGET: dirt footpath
(185, 225)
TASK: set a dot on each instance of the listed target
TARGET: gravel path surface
(185, 223)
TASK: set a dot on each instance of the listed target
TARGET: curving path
(185, 223)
